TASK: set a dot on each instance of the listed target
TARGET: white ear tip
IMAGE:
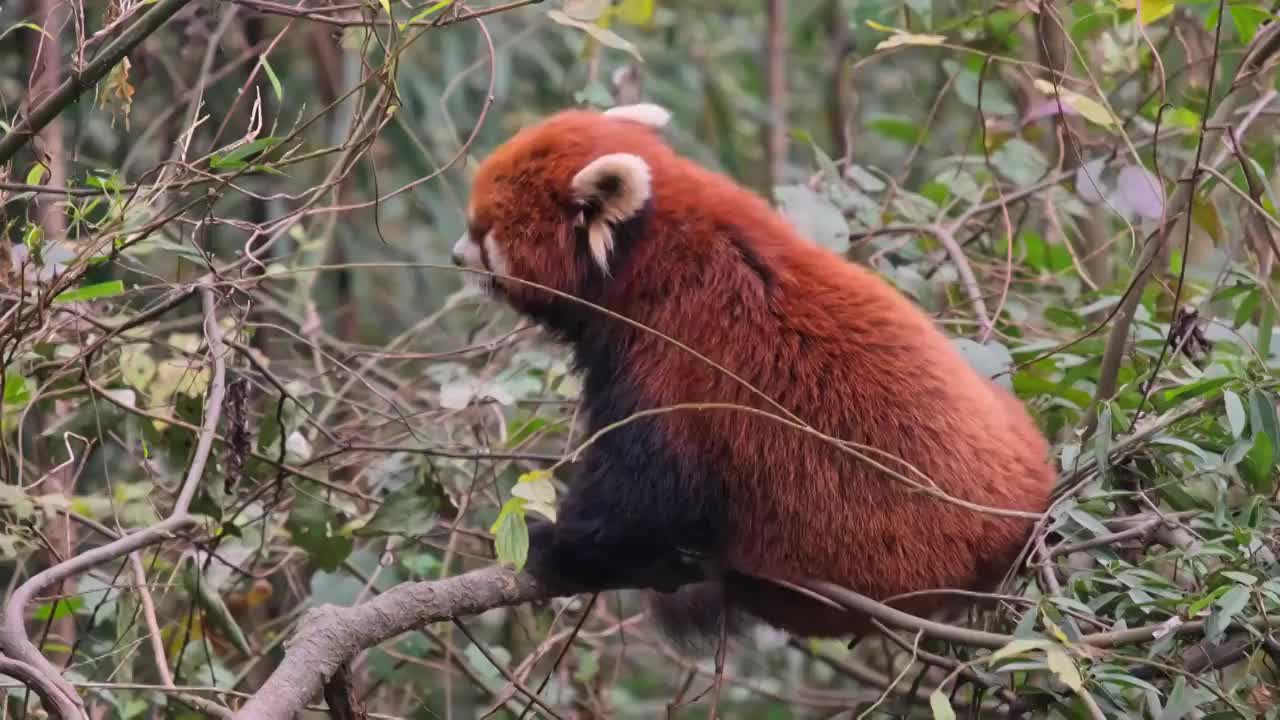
(655, 116)
(630, 170)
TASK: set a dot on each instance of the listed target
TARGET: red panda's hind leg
(691, 617)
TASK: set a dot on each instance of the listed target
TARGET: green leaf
(1258, 464)
(511, 534)
(1020, 161)
(92, 292)
(898, 129)
(311, 525)
(1262, 414)
(1266, 325)
(1028, 385)
(1126, 680)
(483, 665)
(1244, 311)
(16, 393)
(236, 158)
(1224, 611)
(941, 706)
(271, 76)
(427, 12)
(1196, 389)
(995, 97)
(409, 510)
(1235, 412)
(1102, 440)
(519, 432)
(1243, 578)
(24, 26)
(588, 665)
(594, 94)
(36, 175)
(1194, 608)
(1247, 19)
(814, 216)
(991, 360)
(58, 610)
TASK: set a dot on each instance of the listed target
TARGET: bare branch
(78, 82)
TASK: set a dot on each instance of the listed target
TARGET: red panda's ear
(655, 116)
(611, 189)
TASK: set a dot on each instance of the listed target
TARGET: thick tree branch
(331, 636)
(55, 702)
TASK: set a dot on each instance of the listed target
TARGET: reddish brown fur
(828, 340)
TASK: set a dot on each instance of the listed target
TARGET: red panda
(597, 206)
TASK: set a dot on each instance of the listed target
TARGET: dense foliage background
(244, 226)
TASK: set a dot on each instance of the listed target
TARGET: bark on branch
(330, 636)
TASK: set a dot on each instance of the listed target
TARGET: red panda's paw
(541, 559)
(569, 558)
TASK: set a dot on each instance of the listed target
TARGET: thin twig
(13, 635)
(78, 82)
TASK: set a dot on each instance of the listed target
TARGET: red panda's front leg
(636, 517)
(591, 549)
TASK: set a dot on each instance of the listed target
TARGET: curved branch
(55, 702)
(331, 636)
(13, 632)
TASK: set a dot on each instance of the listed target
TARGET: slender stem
(78, 82)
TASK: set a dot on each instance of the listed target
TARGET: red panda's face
(545, 207)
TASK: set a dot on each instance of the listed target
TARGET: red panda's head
(555, 204)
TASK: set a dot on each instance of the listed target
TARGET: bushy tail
(690, 617)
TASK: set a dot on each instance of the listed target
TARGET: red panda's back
(856, 361)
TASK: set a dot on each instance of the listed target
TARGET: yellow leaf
(1054, 630)
(1060, 664)
(1088, 107)
(635, 12)
(941, 706)
(900, 39)
(539, 490)
(1150, 11)
(36, 174)
(604, 36)
(534, 476)
(1205, 215)
(881, 27)
(1018, 647)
